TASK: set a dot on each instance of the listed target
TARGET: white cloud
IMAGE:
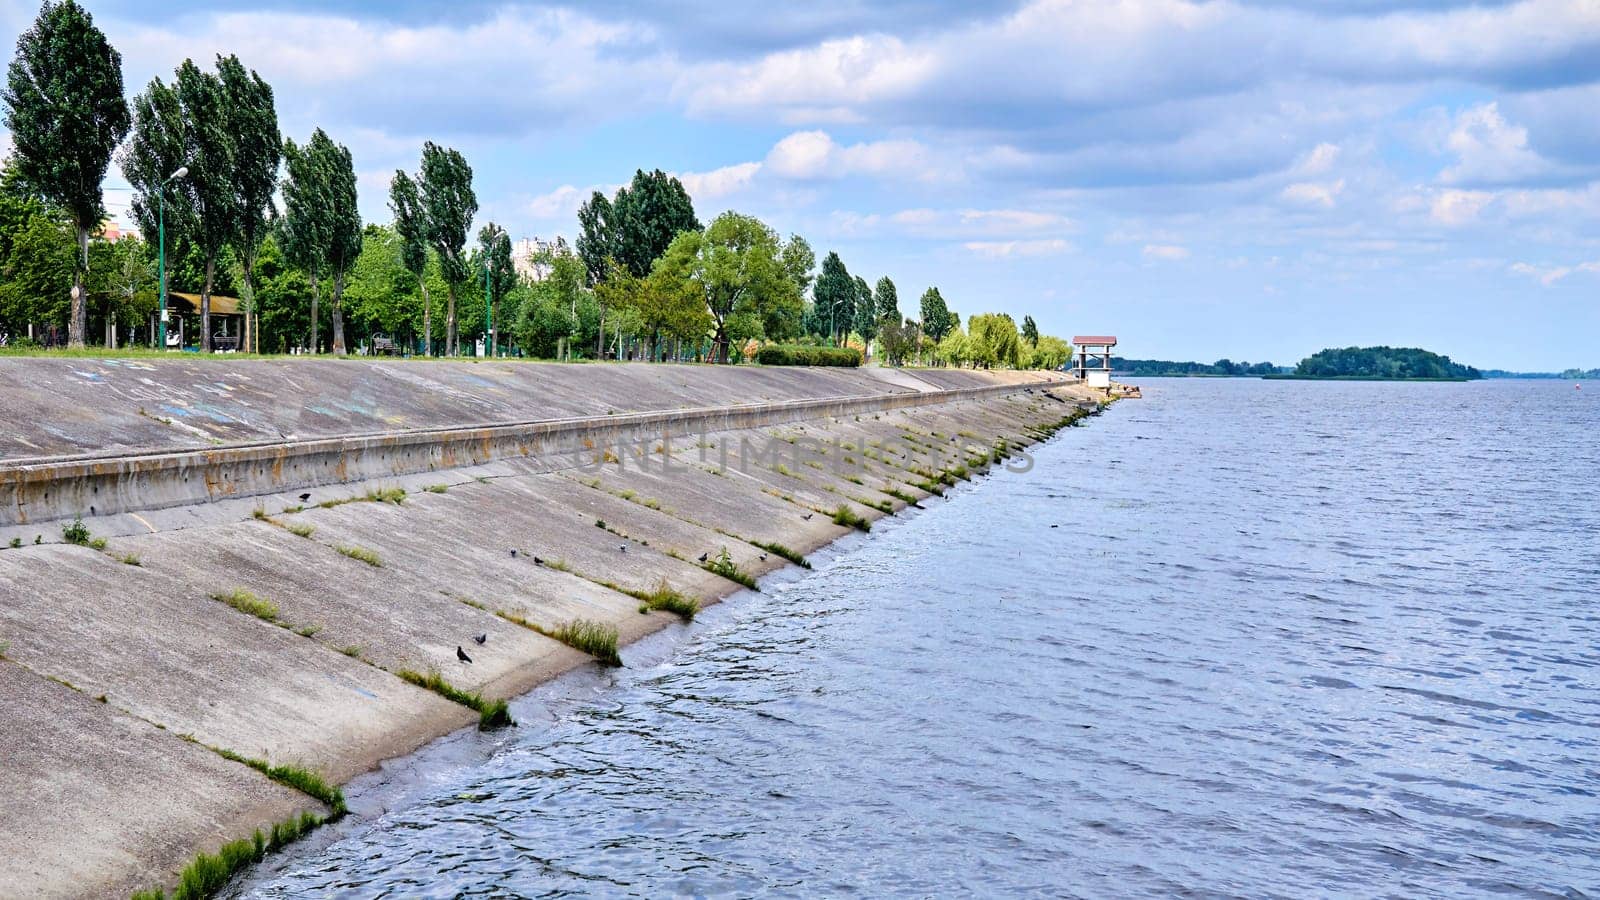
(1165, 252)
(1317, 161)
(561, 203)
(719, 182)
(1457, 207)
(1311, 193)
(824, 83)
(1549, 275)
(1008, 249)
(814, 155)
(1489, 149)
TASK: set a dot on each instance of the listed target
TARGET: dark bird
(304, 497)
(623, 547)
(808, 516)
(537, 561)
(763, 557)
(704, 557)
(513, 553)
(481, 638)
(462, 655)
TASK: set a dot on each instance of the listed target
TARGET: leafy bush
(790, 355)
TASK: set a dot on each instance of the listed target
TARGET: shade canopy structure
(189, 304)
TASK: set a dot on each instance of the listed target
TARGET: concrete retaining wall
(64, 487)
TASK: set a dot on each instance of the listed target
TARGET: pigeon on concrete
(481, 638)
(763, 557)
(513, 553)
(537, 561)
(704, 557)
(808, 516)
(462, 655)
(304, 497)
(623, 547)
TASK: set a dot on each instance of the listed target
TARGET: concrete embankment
(284, 628)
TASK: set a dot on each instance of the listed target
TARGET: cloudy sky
(1253, 179)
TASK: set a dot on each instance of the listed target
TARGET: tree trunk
(427, 319)
(450, 333)
(245, 342)
(338, 315)
(719, 343)
(205, 305)
(79, 323)
(312, 347)
(600, 345)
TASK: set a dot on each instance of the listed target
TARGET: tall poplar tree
(494, 251)
(302, 232)
(66, 114)
(210, 212)
(866, 314)
(322, 225)
(887, 303)
(410, 222)
(253, 122)
(834, 293)
(449, 203)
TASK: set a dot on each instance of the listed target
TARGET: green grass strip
(491, 713)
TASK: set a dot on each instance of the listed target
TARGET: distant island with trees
(1381, 364)
(1166, 368)
(1350, 363)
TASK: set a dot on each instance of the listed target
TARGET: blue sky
(1254, 180)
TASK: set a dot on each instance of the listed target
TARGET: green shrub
(593, 638)
(300, 529)
(360, 553)
(725, 566)
(847, 517)
(491, 713)
(785, 552)
(790, 355)
(76, 533)
(246, 602)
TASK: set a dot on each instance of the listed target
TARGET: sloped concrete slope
(116, 406)
(294, 631)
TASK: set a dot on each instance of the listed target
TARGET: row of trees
(206, 160)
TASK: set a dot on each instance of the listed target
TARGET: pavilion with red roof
(1094, 359)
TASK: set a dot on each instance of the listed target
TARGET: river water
(1239, 638)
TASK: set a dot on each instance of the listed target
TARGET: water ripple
(1288, 639)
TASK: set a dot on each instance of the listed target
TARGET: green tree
(835, 295)
(554, 308)
(935, 315)
(798, 261)
(597, 232)
(321, 222)
(302, 231)
(886, 300)
(647, 215)
(1050, 353)
(735, 270)
(1030, 331)
(258, 149)
(993, 341)
(411, 227)
(37, 268)
(380, 294)
(494, 246)
(866, 314)
(66, 113)
(206, 206)
(445, 188)
(154, 151)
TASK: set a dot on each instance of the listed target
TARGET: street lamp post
(161, 239)
(488, 305)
